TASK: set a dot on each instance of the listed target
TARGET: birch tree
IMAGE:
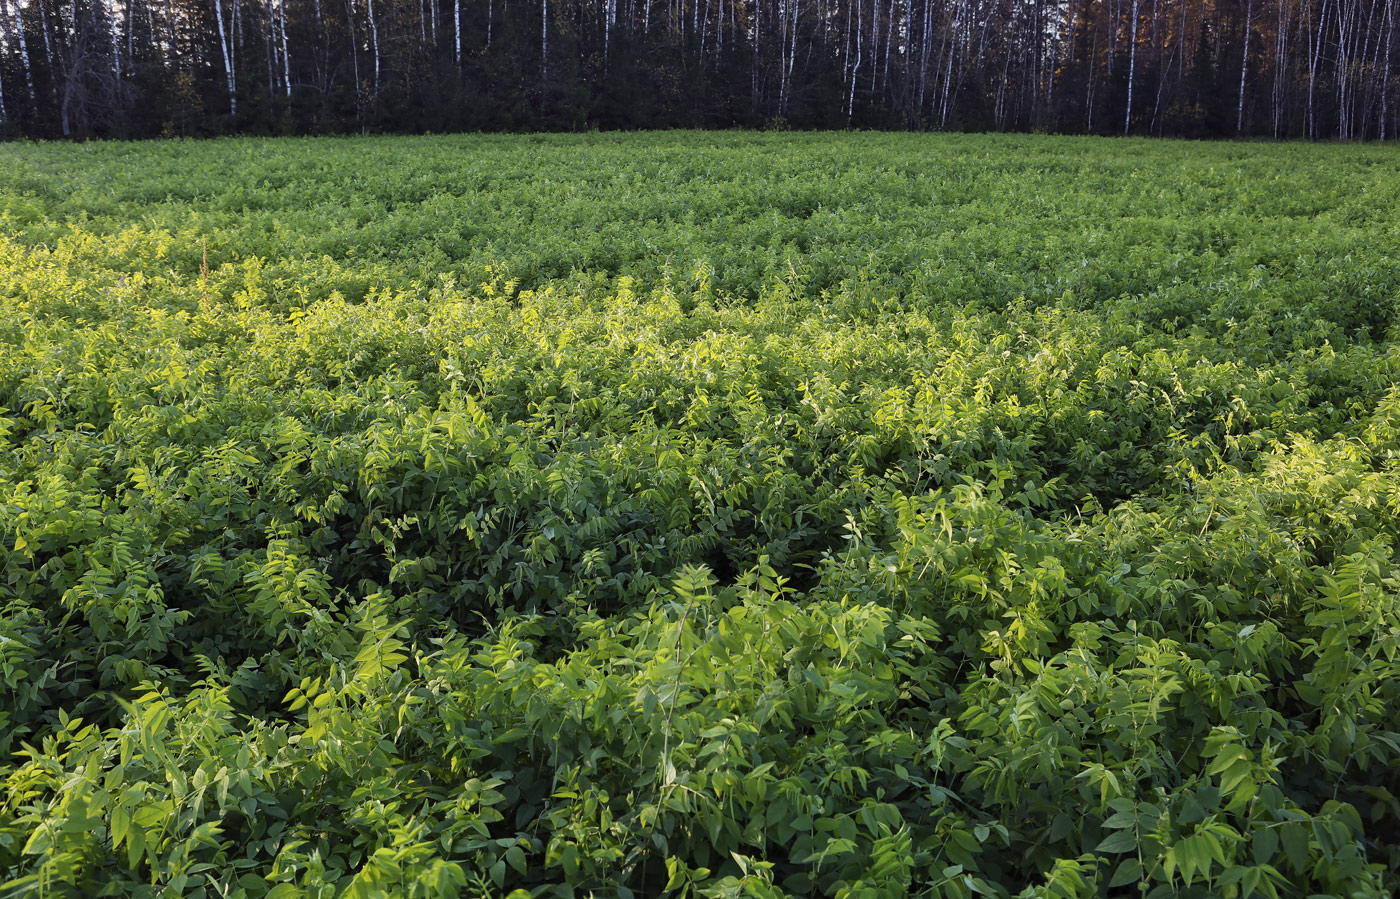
(3, 119)
(228, 65)
(374, 44)
(23, 49)
(1132, 68)
(115, 32)
(1244, 64)
(286, 58)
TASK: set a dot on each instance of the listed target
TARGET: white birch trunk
(23, 49)
(1244, 64)
(116, 41)
(1280, 68)
(374, 45)
(1132, 68)
(286, 59)
(851, 100)
(223, 48)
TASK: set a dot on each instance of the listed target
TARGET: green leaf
(121, 826)
(1118, 841)
(135, 847)
(1190, 858)
(1250, 882)
(1128, 871)
(1295, 845)
(1120, 820)
(1264, 844)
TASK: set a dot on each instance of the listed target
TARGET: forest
(700, 515)
(1313, 69)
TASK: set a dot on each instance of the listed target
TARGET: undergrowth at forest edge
(706, 514)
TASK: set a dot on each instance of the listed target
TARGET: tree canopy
(1194, 68)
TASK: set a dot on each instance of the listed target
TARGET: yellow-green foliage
(703, 514)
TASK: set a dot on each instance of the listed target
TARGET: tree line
(1196, 68)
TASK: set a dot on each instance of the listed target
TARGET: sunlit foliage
(700, 514)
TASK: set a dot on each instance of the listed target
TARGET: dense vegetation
(715, 515)
(1193, 68)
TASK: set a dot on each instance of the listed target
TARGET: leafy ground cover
(700, 514)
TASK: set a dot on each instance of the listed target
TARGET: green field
(699, 514)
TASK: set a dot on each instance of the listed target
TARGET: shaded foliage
(1192, 68)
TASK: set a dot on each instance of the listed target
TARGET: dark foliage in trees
(1197, 68)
